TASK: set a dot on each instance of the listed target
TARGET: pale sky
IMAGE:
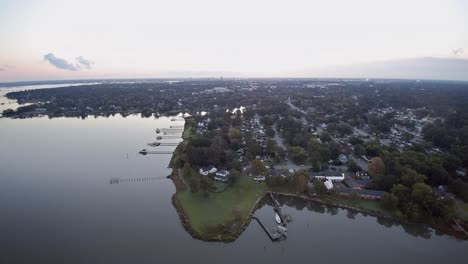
(192, 38)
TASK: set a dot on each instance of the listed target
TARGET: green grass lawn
(220, 186)
(210, 215)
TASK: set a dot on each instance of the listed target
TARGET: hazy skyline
(118, 39)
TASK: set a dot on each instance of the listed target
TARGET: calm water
(57, 206)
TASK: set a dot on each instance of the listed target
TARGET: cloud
(60, 63)
(1, 69)
(84, 62)
(66, 65)
(457, 51)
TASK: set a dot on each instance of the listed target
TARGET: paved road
(359, 161)
(289, 164)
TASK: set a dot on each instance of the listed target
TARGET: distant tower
(221, 78)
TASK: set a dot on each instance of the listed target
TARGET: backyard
(220, 212)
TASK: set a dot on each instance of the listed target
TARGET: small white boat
(282, 230)
(278, 218)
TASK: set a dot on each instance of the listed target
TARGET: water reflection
(58, 207)
(415, 230)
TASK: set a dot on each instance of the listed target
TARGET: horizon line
(51, 81)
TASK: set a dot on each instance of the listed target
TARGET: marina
(278, 232)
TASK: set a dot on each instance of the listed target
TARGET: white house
(259, 178)
(328, 184)
(327, 175)
(222, 175)
(207, 170)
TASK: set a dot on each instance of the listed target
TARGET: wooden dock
(167, 137)
(277, 208)
(146, 152)
(162, 144)
(169, 130)
(274, 236)
(139, 179)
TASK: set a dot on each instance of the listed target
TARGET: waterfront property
(219, 216)
(328, 184)
(356, 184)
(363, 193)
(327, 175)
(259, 178)
(205, 171)
(222, 175)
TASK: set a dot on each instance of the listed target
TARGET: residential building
(205, 171)
(222, 175)
(327, 175)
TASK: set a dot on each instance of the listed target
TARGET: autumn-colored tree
(319, 187)
(376, 166)
(300, 183)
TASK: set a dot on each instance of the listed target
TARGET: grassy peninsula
(220, 212)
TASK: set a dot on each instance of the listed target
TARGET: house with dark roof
(356, 184)
(363, 193)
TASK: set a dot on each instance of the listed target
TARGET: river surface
(57, 206)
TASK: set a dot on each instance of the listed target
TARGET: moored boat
(277, 218)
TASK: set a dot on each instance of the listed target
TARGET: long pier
(145, 152)
(172, 132)
(167, 137)
(277, 208)
(169, 130)
(273, 236)
(162, 144)
(140, 179)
